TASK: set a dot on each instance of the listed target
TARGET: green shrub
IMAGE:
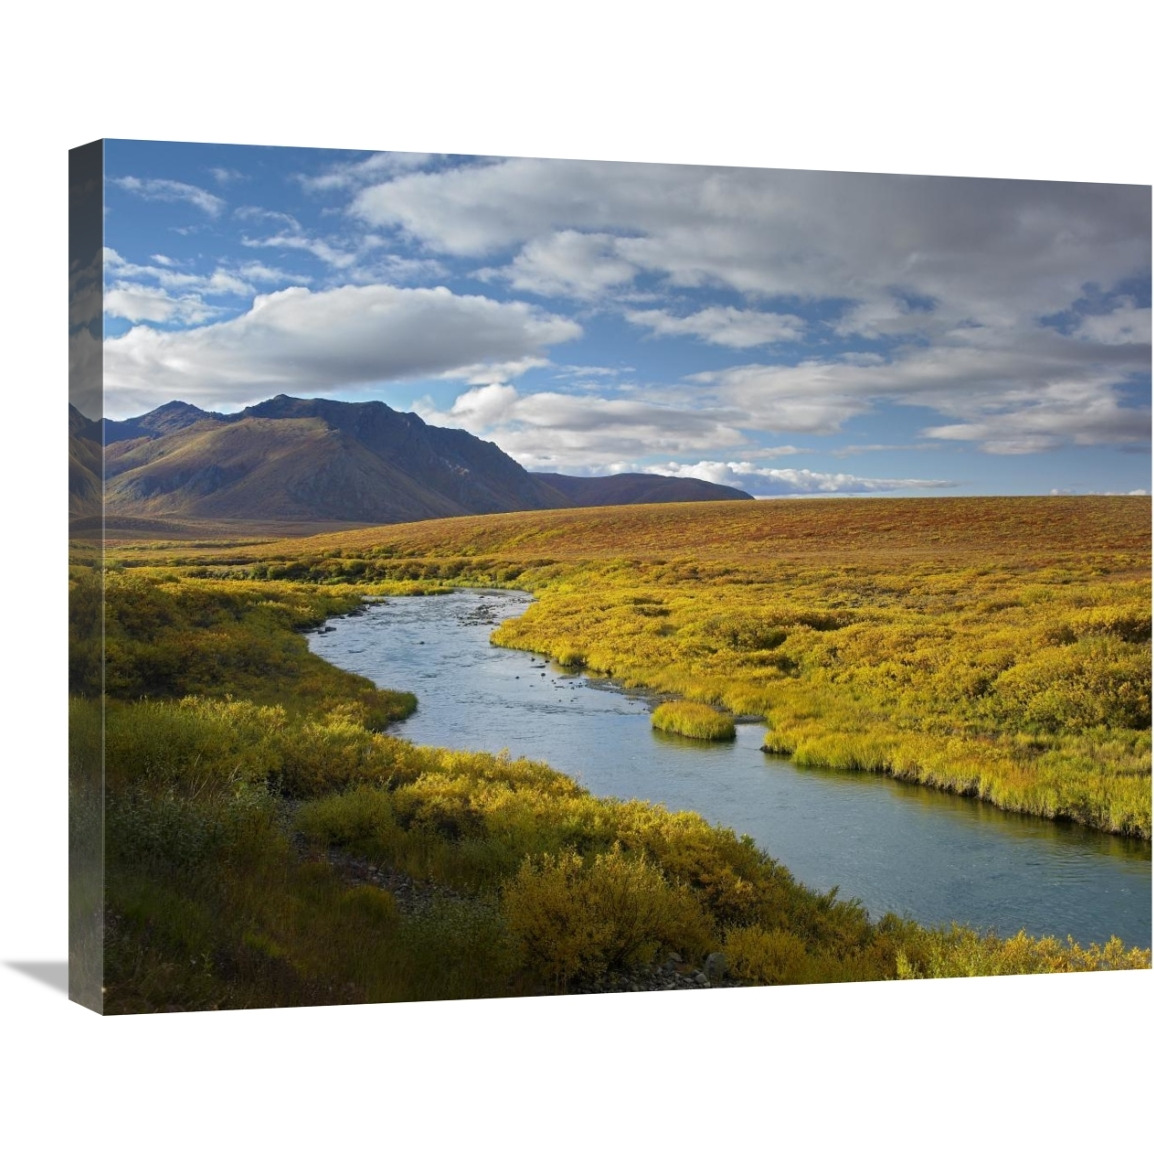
(457, 948)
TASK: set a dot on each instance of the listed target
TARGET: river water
(897, 847)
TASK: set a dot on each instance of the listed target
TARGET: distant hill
(303, 462)
(639, 489)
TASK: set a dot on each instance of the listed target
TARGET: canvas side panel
(86, 576)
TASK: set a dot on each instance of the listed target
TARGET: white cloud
(993, 251)
(264, 274)
(340, 177)
(888, 315)
(813, 397)
(173, 191)
(568, 263)
(358, 259)
(1098, 493)
(1011, 393)
(178, 297)
(1125, 325)
(1079, 417)
(338, 258)
(255, 214)
(550, 430)
(318, 342)
(495, 372)
(958, 272)
(763, 482)
(731, 327)
(220, 282)
(141, 303)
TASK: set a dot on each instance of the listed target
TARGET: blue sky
(788, 332)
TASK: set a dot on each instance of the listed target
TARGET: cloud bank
(318, 342)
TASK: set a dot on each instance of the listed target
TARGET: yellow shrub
(766, 957)
(576, 919)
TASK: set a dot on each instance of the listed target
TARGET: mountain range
(307, 462)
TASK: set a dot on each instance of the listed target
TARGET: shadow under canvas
(54, 974)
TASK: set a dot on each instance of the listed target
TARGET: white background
(989, 89)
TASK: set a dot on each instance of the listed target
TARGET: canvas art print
(497, 577)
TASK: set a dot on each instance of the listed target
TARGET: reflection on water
(895, 846)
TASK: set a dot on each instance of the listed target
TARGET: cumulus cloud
(734, 328)
(552, 430)
(317, 342)
(173, 191)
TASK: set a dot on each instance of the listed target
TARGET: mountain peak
(159, 422)
(176, 407)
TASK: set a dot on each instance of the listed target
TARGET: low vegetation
(692, 719)
(1001, 650)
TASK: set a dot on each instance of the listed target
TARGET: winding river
(916, 851)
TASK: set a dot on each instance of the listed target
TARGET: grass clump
(692, 719)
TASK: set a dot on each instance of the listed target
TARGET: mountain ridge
(301, 460)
